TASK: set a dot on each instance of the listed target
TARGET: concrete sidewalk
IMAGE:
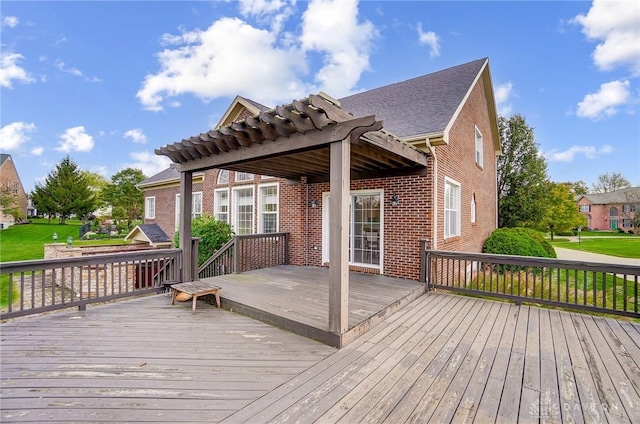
(577, 255)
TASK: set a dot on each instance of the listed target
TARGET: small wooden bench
(196, 289)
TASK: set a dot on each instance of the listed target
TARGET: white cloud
(616, 25)
(589, 152)
(272, 12)
(604, 102)
(10, 21)
(15, 134)
(75, 139)
(503, 94)
(37, 151)
(210, 64)
(73, 71)
(331, 27)
(9, 70)
(136, 135)
(430, 39)
(149, 163)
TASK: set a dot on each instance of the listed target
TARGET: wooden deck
(296, 298)
(442, 358)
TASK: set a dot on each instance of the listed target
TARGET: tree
(609, 182)
(561, 214)
(10, 204)
(578, 188)
(125, 198)
(97, 184)
(522, 175)
(65, 192)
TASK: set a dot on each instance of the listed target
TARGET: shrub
(213, 235)
(539, 237)
(519, 242)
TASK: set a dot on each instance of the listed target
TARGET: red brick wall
(457, 161)
(8, 178)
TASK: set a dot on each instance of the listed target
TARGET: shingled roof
(418, 106)
(624, 195)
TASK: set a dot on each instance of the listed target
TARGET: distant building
(12, 191)
(610, 211)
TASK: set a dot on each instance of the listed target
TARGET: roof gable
(237, 107)
(419, 106)
(148, 233)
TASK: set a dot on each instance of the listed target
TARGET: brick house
(423, 167)
(613, 211)
(12, 190)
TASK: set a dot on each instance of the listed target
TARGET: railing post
(286, 248)
(424, 262)
(236, 255)
(195, 245)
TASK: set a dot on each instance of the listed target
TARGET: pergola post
(186, 188)
(340, 153)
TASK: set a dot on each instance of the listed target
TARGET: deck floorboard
(441, 358)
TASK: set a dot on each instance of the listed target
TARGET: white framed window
(366, 238)
(473, 208)
(479, 148)
(244, 176)
(223, 176)
(221, 204)
(585, 208)
(451, 208)
(243, 209)
(196, 206)
(150, 207)
(268, 208)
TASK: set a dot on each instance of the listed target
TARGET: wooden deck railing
(589, 286)
(45, 285)
(246, 253)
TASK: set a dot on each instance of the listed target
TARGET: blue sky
(107, 82)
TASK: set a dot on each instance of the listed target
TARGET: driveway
(577, 255)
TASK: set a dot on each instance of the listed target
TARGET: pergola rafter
(312, 138)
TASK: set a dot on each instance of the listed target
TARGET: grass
(627, 247)
(26, 242)
(570, 286)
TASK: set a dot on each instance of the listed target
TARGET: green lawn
(26, 242)
(627, 247)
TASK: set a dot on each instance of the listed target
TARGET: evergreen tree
(522, 175)
(125, 198)
(64, 193)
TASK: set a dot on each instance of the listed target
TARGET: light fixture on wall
(315, 203)
(394, 200)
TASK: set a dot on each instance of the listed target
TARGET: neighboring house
(610, 211)
(13, 193)
(422, 162)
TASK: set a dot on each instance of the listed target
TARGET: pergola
(312, 138)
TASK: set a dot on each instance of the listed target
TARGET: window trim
(449, 182)
(147, 215)
(215, 204)
(222, 172)
(177, 208)
(474, 209)
(234, 192)
(261, 210)
(326, 204)
(238, 173)
(479, 150)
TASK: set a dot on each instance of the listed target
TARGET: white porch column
(186, 188)
(340, 153)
